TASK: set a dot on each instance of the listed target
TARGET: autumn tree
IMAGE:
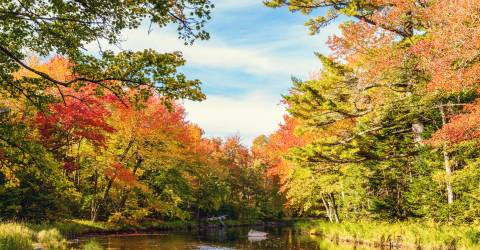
(70, 89)
(390, 55)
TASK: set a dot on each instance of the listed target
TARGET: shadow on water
(217, 239)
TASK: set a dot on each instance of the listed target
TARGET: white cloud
(249, 116)
(270, 54)
(255, 59)
(235, 4)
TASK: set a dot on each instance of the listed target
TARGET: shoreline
(81, 228)
(393, 235)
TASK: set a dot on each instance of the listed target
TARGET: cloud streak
(217, 54)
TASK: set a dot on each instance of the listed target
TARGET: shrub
(14, 236)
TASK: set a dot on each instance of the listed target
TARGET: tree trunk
(77, 160)
(110, 180)
(327, 209)
(126, 191)
(331, 208)
(94, 204)
(446, 160)
(417, 128)
(334, 208)
(448, 171)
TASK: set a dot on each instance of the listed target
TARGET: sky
(245, 67)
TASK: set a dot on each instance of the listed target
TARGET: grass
(51, 239)
(407, 234)
(15, 236)
(92, 245)
(72, 228)
(18, 236)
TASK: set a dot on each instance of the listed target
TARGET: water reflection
(215, 239)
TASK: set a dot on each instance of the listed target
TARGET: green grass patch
(71, 228)
(412, 234)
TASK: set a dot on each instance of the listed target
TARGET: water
(214, 239)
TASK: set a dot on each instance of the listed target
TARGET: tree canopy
(65, 28)
(387, 129)
(390, 121)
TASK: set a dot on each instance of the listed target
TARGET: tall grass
(407, 234)
(52, 239)
(17, 236)
(92, 245)
(14, 236)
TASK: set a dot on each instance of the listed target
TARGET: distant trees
(101, 136)
(104, 157)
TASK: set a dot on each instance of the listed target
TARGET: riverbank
(75, 228)
(18, 235)
(407, 235)
(404, 235)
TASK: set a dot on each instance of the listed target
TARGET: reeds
(15, 236)
(51, 239)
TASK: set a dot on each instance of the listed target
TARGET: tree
(440, 49)
(379, 45)
(394, 16)
(65, 27)
(148, 143)
(72, 89)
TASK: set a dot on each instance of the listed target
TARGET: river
(213, 239)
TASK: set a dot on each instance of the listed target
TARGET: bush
(15, 236)
(92, 245)
(51, 239)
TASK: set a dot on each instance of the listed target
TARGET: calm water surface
(226, 239)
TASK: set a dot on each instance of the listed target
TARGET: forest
(386, 131)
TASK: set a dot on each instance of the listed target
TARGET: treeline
(389, 128)
(103, 157)
(101, 136)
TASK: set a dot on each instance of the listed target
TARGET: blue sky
(245, 66)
